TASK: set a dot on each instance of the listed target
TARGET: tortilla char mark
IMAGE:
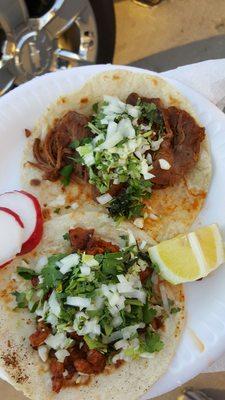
(182, 139)
(14, 363)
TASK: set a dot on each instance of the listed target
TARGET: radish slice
(28, 208)
(37, 233)
(11, 235)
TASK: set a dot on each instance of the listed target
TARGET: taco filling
(96, 307)
(125, 150)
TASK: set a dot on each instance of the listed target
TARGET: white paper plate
(204, 337)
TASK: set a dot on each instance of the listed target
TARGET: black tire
(106, 25)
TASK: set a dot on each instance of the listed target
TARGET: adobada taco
(128, 141)
(86, 316)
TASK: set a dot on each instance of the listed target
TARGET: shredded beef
(157, 323)
(144, 275)
(52, 154)
(115, 190)
(57, 369)
(77, 353)
(97, 359)
(180, 147)
(83, 366)
(99, 246)
(75, 336)
(133, 98)
(181, 144)
(82, 239)
(69, 367)
(38, 337)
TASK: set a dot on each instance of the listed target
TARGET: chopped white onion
(149, 159)
(144, 128)
(117, 321)
(52, 319)
(58, 341)
(133, 111)
(61, 355)
(155, 144)
(124, 286)
(121, 344)
(91, 262)
(66, 263)
(154, 217)
(131, 330)
(89, 159)
(131, 238)
(125, 128)
(43, 352)
(147, 355)
(85, 270)
(139, 222)
(91, 327)
(77, 301)
(164, 297)
(136, 294)
(144, 148)
(112, 127)
(42, 261)
(114, 336)
(104, 198)
(74, 206)
(54, 304)
(138, 154)
(142, 245)
(164, 164)
(148, 176)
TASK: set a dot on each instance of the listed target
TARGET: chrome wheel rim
(33, 46)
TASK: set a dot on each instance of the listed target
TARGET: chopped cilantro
(26, 273)
(128, 203)
(57, 210)
(94, 343)
(156, 267)
(148, 314)
(20, 299)
(152, 342)
(95, 108)
(66, 172)
(153, 115)
(66, 236)
(74, 144)
(50, 273)
(175, 310)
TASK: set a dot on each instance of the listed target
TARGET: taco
(86, 315)
(127, 141)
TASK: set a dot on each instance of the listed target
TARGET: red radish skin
(18, 221)
(15, 215)
(36, 236)
(6, 263)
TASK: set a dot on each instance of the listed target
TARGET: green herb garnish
(66, 172)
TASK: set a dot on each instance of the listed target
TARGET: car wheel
(41, 36)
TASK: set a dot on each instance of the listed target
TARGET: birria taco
(86, 315)
(128, 142)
